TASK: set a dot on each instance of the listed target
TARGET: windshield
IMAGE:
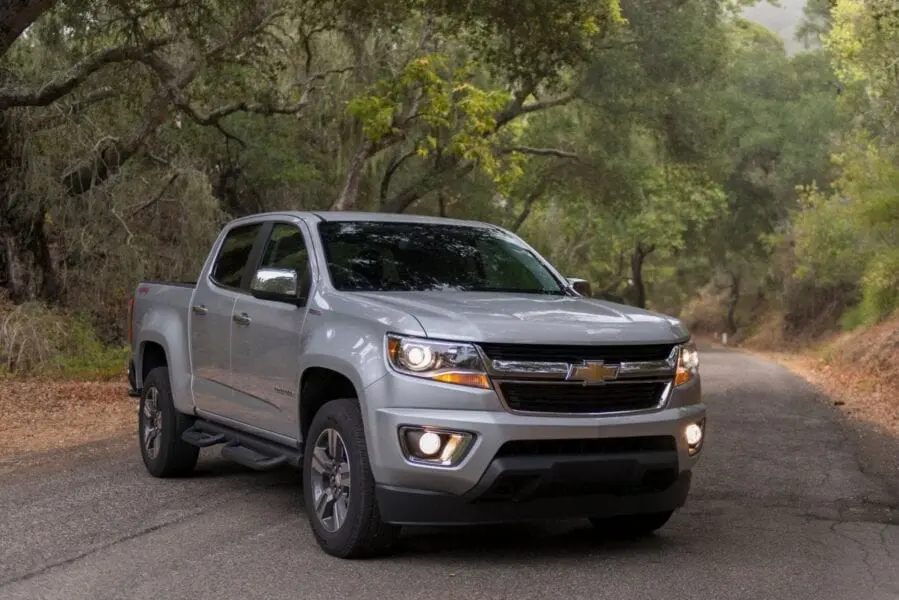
(375, 256)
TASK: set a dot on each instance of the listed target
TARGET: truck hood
(528, 318)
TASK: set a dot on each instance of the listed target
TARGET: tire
(169, 456)
(360, 533)
(631, 526)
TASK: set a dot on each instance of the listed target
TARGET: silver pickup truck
(420, 371)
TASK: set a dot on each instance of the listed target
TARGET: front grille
(575, 398)
(577, 354)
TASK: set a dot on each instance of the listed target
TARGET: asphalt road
(785, 504)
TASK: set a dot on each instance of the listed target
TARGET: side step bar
(243, 448)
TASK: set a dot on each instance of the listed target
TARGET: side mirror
(280, 285)
(581, 286)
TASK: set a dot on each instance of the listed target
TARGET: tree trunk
(637, 277)
(638, 258)
(16, 16)
(733, 299)
(27, 269)
(350, 192)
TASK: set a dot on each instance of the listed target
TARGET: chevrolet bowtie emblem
(592, 372)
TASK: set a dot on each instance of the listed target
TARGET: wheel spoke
(345, 476)
(322, 502)
(151, 437)
(330, 479)
(320, 462)
(340, 510)
(332, 444)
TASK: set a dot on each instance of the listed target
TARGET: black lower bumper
(526, 488)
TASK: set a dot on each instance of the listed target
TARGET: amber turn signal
(478, 380)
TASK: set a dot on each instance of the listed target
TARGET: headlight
(687, 364)
(449, 362)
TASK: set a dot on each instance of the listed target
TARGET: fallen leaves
(866, 394)
(40, 415)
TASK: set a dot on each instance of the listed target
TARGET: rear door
(210, 320)
(266, 338)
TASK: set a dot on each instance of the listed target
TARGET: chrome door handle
(242, 319)
(199, 310)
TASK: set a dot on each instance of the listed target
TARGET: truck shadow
(518, 542)
(513, 542)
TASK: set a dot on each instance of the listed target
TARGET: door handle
(199, 310)
(242, 319)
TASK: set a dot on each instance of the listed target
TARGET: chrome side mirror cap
(275, 284)
(581, 286)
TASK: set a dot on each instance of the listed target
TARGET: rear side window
(234, 255)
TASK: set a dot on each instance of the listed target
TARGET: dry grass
(40, 415)
(859, 370)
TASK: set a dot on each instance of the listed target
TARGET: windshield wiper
(500, 290)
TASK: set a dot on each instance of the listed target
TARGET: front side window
(383, 256)
(286, 249)
(234, 255)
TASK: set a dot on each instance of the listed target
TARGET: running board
(252, 459)
(202, 439)
(243, 448)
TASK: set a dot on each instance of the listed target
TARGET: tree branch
(541, 152)
(434, 180)
(67, 112)
(158, 195)
(17, 16)
(392, 168)
(104, 162)
(215, 116)
(63, 84)
(518, 108)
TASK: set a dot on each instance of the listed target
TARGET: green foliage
(38, 341)
(675, 146)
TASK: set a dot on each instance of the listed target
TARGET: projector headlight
(448, 362)
(687, 364)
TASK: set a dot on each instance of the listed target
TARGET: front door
(210, 321)
(265, 340)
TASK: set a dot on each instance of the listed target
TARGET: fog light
(432, 446)
(429, 443)
(694, 434)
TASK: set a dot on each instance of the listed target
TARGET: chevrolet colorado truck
(419, 371)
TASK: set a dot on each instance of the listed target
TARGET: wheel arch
(318, 386)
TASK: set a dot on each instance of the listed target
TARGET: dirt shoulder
(859, 371)
(42, 415)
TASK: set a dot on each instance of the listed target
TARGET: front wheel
(338, 486)
(631, 526)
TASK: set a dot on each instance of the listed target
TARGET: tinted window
(374, 256)
(286, 249)
(233, 257)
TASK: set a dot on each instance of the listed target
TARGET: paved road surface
(781, 508)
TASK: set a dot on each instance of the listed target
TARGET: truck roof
(335, 216)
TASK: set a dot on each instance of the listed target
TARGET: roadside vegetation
(668, 150)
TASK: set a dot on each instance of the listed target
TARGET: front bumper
(526, 466)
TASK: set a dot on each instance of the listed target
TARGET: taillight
(130, 319)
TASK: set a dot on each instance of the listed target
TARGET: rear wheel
(338, 486)
(160, 427)
(631, 526)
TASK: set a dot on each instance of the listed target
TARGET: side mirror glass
(581, 286)
(275, 284)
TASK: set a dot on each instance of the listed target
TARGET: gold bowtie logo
(592, 372)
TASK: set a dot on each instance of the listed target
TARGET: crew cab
(419, 371)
